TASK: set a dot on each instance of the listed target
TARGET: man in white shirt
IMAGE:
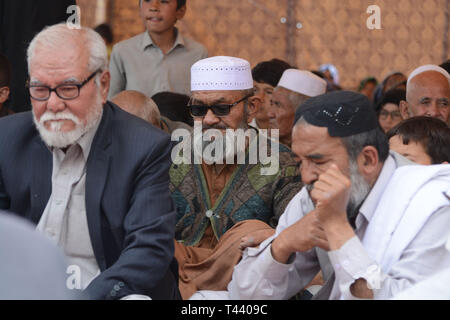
(374, 229)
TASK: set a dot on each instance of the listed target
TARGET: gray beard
(359, 190)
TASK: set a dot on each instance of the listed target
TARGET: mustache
(214, 126)
(64, 115)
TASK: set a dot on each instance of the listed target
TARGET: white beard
(58, 139)
(216, 151)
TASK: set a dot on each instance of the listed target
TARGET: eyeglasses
(220, 110)
(395, 115)
(64, 91)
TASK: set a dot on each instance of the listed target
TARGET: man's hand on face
(331, 194)
(302, 236)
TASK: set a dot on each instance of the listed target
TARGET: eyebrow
(35, 82)
(316, 156)
(70, 80)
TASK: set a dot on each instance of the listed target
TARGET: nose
(55, 103)
(433, 110)
(154, 5)
(309, 175)
(210, 118)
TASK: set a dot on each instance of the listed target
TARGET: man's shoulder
(285, 154)
(194, 46)
(133, 43)
(16, 125)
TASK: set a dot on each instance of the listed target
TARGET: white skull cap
(304, 82)
(221, 73)
(426, 68)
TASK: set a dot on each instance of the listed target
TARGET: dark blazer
(129, 209)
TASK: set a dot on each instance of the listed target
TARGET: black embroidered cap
(344, 113)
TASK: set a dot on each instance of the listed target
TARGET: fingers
(246, 242)
(255, 238)
(323, 245)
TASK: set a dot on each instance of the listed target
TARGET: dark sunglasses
(220, 110)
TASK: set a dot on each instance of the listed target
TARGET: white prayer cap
(221, 73)
(304, 82)
(426, 68)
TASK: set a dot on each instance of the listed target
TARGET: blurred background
(306, 33)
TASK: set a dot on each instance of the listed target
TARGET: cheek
(418, 110)
(39, 109)
(79, 109)
(286, 117)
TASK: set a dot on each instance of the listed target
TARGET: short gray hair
(56, 36)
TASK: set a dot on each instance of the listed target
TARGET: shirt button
(113, 293)
(209, 213)
(116, 287)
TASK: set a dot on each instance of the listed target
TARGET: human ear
(369, 163)
(403, 107)
(181, 12)
(254, 103)
(4, 94)
(105, 80)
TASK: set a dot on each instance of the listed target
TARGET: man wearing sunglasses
(219, 202)
(79, 173)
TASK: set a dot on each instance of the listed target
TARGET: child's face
(414, 151)
(160, 15)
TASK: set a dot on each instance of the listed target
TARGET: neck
(164, 40)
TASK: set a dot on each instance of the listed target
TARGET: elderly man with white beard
(224, 197)
(92, 177)
(374, 224)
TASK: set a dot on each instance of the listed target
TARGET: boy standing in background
(158, 59)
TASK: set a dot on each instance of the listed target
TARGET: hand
(331, 194)
(255, 238)
(302, 236)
